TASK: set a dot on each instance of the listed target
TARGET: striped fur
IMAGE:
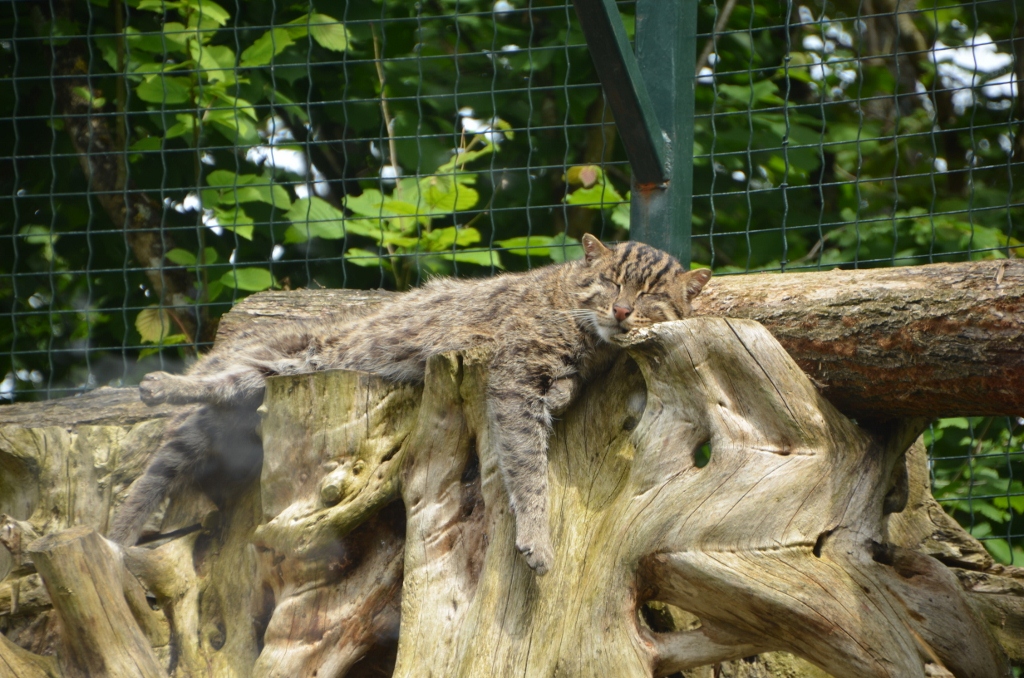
(548, 330)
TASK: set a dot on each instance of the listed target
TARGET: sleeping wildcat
(548, 330)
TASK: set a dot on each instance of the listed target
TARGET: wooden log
(19, 663)
(83, 575)
(937, 340)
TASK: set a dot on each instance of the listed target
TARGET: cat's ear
(593, 249)
(695, 281)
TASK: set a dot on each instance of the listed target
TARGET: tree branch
(104, 162)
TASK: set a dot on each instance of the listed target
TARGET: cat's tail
(184, 443)
(145, 496)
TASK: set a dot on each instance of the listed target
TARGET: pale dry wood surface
(84, 577)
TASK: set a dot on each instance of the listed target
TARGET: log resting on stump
(378, 540)
(932, 341)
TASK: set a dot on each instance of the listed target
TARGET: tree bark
(937, 340)
(378, 540)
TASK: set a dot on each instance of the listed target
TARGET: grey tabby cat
(548, 329)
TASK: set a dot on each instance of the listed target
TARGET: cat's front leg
(520, 424)
(561, 393)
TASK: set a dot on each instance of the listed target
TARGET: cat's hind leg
(163, 387)
(236, 384)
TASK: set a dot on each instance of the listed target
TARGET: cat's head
(633, 285)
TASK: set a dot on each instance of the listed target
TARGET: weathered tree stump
(87, 585)
(779, 542)
(378, 540)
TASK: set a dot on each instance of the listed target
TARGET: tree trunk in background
(101, 153)
(380, 509)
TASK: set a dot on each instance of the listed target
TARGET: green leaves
(216, 62)
(234, 117)
(325, 30)
(206, 11)
(235, 219)
(565, 248)
(35, 234)
(973, 480)
(314, 218)
(212, 68)
(186, 258)
(597, 192)
(328, 32)
(448, 193)
(248, 279)
(155, 326)
(266, 47)
(600, 196)
(762, 92)
(559, 248)
(208, 80)
(162, 89)
(87, 95)
(479, 257)
(185, 126)
(228, 188)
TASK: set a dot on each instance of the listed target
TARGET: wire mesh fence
(875, 136)
(163, 159)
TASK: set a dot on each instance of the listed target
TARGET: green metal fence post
(666, 46)
(647, 146)
(651, 96)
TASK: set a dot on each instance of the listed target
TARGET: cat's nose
(621, 312)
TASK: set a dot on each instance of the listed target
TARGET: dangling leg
(520, 425)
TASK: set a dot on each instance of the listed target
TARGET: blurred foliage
(842, 159)
(285, 153)
(977, 467)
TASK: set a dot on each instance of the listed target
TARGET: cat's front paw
(540, 556)
(560, 394)
(153, 388)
